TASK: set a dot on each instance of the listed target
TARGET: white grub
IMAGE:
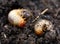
(42, 25)
(18, 16)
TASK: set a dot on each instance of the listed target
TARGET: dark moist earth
(10, 34)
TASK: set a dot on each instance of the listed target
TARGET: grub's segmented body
(42, 25)
(18, 16)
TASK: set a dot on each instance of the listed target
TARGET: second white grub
(43, 24)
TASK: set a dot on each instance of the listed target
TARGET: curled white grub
(42, 25)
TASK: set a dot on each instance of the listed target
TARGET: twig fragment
(41, 14)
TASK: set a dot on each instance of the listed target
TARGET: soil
(10, 34)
